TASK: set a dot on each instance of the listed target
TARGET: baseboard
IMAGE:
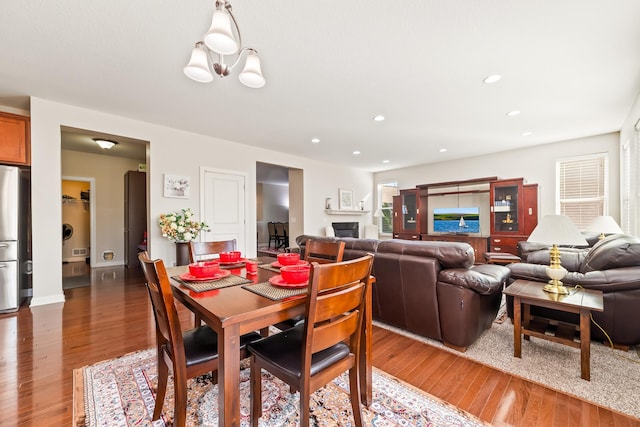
(51, 299)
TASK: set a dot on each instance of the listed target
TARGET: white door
(223, 207)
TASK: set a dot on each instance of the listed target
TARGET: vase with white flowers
(180, 226)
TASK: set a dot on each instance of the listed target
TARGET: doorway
(105, 169)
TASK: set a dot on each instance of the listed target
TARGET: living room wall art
(176, 186)
(345, 198)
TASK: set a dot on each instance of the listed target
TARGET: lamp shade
(220, 38)
(251, 75)
(105, 144)
(198, 67)
(604, 224)
(557, 230)
(378, 213)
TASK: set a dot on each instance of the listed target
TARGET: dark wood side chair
(188, 354)
(271, 229)
(198, 250)
(323, 252)
(280, 235)
(325, 345)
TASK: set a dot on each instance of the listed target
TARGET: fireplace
(346, 229)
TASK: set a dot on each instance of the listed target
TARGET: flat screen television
(456, 220)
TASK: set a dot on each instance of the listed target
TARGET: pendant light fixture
(223, 38)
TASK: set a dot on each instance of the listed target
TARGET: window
(629, 179)
(386, 191)
(582, 188)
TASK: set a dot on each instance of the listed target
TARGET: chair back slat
(205, 250)
(323, 252)
(164, 309)
(335, 304)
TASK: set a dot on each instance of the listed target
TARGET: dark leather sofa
(612, 266)
(429, 288)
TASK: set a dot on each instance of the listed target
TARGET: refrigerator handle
(4, 245)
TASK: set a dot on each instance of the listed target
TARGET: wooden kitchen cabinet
(15, 147)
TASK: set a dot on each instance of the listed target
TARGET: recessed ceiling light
(513, 113)
(356, 152)
(527, 133)
(385, 161)
(378, 118)
(442, 150)
(315, 140)
(492, 78)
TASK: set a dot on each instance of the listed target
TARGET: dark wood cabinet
(409, 215)
(135, 215)
(15, 147)
(514, 213)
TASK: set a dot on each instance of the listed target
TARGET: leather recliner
(429, 288)
(612, 266)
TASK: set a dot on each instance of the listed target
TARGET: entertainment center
(463, 211)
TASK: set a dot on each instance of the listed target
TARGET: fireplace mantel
(345, 212)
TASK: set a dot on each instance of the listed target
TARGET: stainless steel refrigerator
(15, 237)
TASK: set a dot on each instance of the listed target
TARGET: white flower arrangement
(180, 227)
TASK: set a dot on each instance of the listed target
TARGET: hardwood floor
(40, 347)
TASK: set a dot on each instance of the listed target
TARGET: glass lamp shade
(220, 38)
(251, 75)
(198, 67)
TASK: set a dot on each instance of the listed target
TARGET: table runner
(274, 293)
(230, 280)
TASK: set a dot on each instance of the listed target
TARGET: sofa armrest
(485, 279)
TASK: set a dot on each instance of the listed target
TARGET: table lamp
(604, 224)
(556, 230)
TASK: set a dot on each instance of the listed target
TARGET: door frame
(92, 212)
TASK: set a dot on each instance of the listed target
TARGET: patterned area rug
(121, 392)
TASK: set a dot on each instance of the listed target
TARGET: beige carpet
(615, 374)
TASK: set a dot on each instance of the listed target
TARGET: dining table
(237, 309)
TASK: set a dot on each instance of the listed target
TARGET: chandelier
(221, 40)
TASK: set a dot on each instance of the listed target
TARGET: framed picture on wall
(176, 186)
(345, 199)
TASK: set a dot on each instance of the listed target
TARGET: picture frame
(176, 186)
(345, 199)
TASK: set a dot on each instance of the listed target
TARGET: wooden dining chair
(271, 229)
(201, 250)
(323, 252)
(325, 345)
(280, 235)
(188, 354)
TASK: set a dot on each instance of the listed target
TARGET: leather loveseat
(612, 266)
(429, 288)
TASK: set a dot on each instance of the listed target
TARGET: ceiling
(571, 67)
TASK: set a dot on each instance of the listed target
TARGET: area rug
(121, 392)
(615, 374)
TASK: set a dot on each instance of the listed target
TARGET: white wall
(165, 148)
(535, 164)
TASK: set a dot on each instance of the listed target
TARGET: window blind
(583, 188)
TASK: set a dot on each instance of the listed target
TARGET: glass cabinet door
(505, 208)
(410, 211)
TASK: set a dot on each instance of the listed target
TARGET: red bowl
(288, 259)
(232, 256)
(204, 268)
(295, 274)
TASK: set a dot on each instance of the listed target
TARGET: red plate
(240, 261)
(277, 281)
(278, 265)
(191, 278)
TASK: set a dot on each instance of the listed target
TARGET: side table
(526, 293)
